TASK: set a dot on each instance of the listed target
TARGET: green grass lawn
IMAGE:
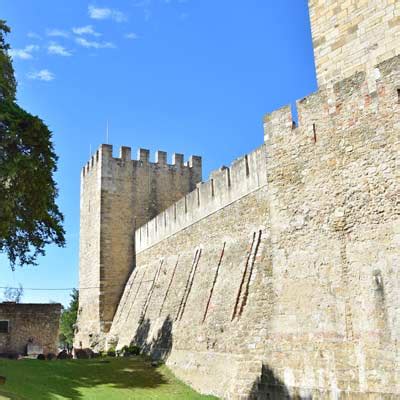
(99, 379)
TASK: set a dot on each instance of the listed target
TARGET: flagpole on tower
(107, 133)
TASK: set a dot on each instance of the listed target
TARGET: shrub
(84, 353)
(135, 350)
(111, 352)
(63, 355)
(130, 351)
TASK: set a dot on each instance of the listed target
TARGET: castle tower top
(353, 35)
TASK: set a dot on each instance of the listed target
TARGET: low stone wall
(38, 323)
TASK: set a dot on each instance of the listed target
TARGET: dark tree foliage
(8, 85)
(68, 320)
(29, 216)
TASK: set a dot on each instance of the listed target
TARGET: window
(3, 326)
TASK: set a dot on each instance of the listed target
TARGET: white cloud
(106, 13)
(42, 75)
(95, 45)
(25, 53)
(85, 30)
(131, 36)
(57, 49)
(33, 35)
(57, 33)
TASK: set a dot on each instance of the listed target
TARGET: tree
(68, 320)
(29, 217)
(13, 294)
(8, 85)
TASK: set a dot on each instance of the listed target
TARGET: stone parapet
(225, 186)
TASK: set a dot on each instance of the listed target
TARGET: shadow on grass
(34, 379)
(100, 379)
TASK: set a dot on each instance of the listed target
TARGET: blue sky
(187, 76)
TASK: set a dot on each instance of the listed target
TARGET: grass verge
(97, 379)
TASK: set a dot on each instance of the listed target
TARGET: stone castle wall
(351, 36)
(186, 297)
(38, 323)
(118, 195)
(290, 287)
(277, 278)
(334, 186)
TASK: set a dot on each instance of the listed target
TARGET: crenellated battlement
(105, 153)
(278, 122)
(225, 186)
(338, 105)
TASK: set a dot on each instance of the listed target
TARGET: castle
(279, 277)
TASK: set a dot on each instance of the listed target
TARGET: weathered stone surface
(278, 278)
(353, 36)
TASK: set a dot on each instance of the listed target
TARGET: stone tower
(353, 36)
(119, 195)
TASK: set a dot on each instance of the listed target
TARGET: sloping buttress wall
(202, 290)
